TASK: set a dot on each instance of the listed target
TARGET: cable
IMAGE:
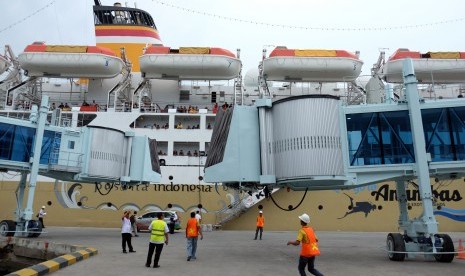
(27, 17)
(290, 209)
(364, 29)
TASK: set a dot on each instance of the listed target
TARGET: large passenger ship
(114, 84)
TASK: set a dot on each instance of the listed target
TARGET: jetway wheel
(447, 246)
(34, 229)
(395, 242)
(7, 228)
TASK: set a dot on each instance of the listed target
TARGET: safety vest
(192, 229)
(260, 221)
(158, 231)
(309, 243)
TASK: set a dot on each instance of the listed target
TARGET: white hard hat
(43, 207)
(261, 212)
(305, 218)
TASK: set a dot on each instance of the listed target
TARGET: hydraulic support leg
(421, 233)
(425, 225)
(26, 226)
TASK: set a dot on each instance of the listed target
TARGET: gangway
(314, 142)
(88, 155)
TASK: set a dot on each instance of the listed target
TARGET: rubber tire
(6, 226)
(395, 242)
(34, 226)
(447, 246)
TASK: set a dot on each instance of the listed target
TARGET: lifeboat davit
(431, 67)
(311, 65)
(62, 61)
(189, 63)
(4, 64)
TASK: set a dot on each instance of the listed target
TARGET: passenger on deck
(196, 153)
(175, 152)
(53, 107)
(84, 103)
(61, 106)
(189, 153)
(179, 125)
(181, 153)
(215, 108)
(209, 126)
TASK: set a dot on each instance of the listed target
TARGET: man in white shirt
(126, 232)
(198, 217)
(41, 216)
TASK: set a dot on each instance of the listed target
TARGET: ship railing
(239, 207)
(230, 212)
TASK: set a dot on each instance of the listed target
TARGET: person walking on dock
(158, 236)
(193, 231)
(132, 218)
(310, 250)
(260, 224)
(41, 216)
(126, 232)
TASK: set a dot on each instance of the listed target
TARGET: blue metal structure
(87, 155)
(412, 139)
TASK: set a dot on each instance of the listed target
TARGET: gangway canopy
(88, 155)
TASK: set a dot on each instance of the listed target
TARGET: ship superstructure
(130, 82)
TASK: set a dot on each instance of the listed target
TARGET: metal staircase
(239, 207)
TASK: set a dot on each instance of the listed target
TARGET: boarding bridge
(313, 142)
(85, 155)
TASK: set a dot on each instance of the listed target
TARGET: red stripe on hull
(141, 33)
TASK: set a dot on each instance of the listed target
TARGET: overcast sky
(71, 22)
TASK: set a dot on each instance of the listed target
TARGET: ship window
(122, 16)
(213, 97)
(71, 144)
(184, 95)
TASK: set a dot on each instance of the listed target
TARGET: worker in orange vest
(260, 224)
(193, 231)
(309, 241)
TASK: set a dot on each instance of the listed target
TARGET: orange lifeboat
(64, 61)
(430, 67)
(311, 65)
(189, 63)
(3, 64)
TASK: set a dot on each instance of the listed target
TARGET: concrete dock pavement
(236, 253)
